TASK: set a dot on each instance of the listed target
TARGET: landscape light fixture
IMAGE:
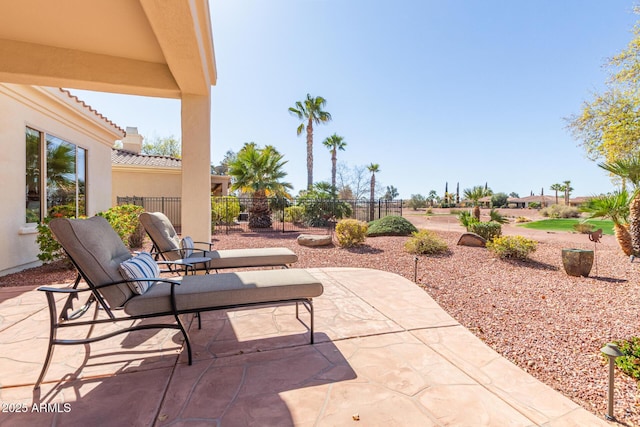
(612, 351)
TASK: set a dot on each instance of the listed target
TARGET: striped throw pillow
(139, 267)
(186, 244)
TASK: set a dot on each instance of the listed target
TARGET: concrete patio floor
(385, 355)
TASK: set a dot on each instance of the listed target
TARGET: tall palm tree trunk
(634, 223)
(624, 238)
(260, 213)
(371, 198)
(476, 212)
(310, 155)
(334, 161)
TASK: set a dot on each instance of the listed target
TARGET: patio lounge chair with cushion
(98, 254)
(167, 242)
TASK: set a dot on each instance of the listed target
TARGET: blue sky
(433, 91)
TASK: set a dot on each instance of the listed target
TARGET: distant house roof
(123, 157)
(547, 199)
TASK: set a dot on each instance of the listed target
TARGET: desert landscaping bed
(549, 324)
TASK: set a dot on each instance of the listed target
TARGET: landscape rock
(472, 239)
(314, 239)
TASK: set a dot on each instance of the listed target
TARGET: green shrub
(390, 226)
(321, 207)
(225, 209)
(560, 211)
(50, 249)
(488, 230)
(583, 227)
(351, 232)
(630, 362)
(534, 205)
(499, 200)
(425, 242)
(517, 247)
(124, 220)
(455, 211)
(466, 218)
(294, 214)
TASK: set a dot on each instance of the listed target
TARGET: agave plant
(614, 206)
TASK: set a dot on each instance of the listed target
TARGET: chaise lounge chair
(170, 247)
(98, 254)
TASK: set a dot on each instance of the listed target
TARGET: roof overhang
(138, 47)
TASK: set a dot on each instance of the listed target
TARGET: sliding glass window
(64, 184)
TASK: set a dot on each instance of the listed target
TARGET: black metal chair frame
(65, 320)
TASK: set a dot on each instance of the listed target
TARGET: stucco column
(196, 174)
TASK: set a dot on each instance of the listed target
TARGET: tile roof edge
(91, 109)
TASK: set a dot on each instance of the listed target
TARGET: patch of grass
(561, 224)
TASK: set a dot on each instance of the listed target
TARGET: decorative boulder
(314, 239)
(472, 239)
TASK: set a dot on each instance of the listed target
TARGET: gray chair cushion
(161, 231)
(252, 257)
(219, 290)
(97, 249)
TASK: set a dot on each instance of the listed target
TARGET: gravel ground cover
(534, 314)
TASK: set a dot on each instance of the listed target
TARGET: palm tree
(614, 206)
(432, 197)
(567, 188)
(475, 194)
(391, 193)
(334, 143)
(259, 171)
(373, 168)
(310, 111)
(556, 187)
(629, 170)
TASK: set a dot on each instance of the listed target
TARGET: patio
(377, 360)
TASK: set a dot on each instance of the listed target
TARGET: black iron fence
(238, 214)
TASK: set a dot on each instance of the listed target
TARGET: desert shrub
(390, 226)
(455, 211)
(499, 199)
(425, 242)
(429, 211)
(294, 214)
(225, 209)
(522, 219)
(351, 232)
(417, 201)
(560, 211)
(583, 227)
(489, 230)
(517, 247)
(321, 206)
(124, 220)
(629, 363)
(534, 205)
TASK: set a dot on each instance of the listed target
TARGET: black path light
(612, 351)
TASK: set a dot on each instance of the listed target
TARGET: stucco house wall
(55, 112)
(145, 182)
